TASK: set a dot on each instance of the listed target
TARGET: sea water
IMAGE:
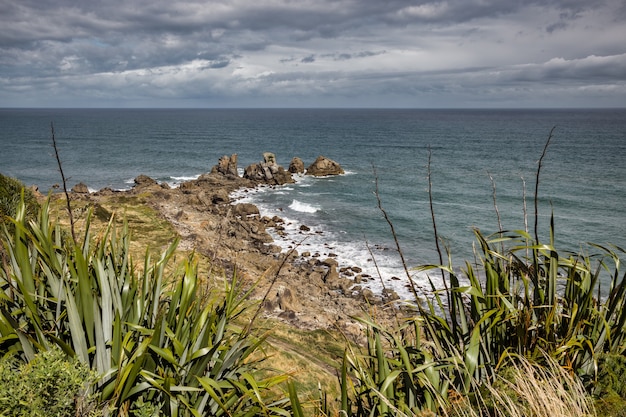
(480, 166)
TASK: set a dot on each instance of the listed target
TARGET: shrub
(152, 336)
(10, 197)
(50, 385)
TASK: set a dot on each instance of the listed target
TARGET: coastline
(306, 290)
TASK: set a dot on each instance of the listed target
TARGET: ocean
(384, 152)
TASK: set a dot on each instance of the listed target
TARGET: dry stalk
(67, 195)
(539, 165)
(395, 236)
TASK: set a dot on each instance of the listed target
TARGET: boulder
(245, 209)
(226, 165)
(144, 180)
(324, 166)
(296, 166)
(285, 299)
(80, 188)
(268, 171)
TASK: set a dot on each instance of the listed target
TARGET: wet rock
(227, 165)
(296, 166)
(323, 167)
(144, 180)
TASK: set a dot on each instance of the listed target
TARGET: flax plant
(149, 335)
(550, 302)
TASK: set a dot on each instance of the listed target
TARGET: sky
(313, 53)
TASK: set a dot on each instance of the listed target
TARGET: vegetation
(174, 347)
(11, 191)
(50, 385)
(524, 330)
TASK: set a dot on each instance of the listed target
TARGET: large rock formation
(324, 166)
(227, 165)
(268, 171)
(296, 166)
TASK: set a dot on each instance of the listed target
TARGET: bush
(159, 341)
(50, 385)
(10, 197)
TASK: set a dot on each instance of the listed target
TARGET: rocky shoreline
(302, 289)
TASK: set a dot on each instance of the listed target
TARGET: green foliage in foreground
(11, 191)
(161, 343)
(172, 346)
(522, 300)
(50, 385)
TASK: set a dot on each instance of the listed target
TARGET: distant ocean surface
(583, 180)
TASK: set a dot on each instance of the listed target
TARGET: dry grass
(530, 390)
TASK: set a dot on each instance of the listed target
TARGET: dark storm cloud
(125, 50)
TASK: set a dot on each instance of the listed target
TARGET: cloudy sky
(313, 53)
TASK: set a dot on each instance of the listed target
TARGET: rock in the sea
(268, 171)
(227, 165)
(144, 180)
(324, 166)
(296, 166)
(80, 188)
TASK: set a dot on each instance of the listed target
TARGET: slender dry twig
(394, 234)
(495, 202)
(432, 216)
(495, 206)
(67, 195)
(248, 327)
(525, 211)
(539, 165)
(432, 210)
(380, 276)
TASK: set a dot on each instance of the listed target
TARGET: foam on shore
(381, 266)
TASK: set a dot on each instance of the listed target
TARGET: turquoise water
(583, 180)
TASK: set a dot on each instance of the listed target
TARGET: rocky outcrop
(309, 291)
(246, 209)
(268, 171)
(144, 180)
(296, 166)
(323, 167)
(227, 165)
(80, 188)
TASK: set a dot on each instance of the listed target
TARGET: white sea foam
(302, 207)
(185, 178)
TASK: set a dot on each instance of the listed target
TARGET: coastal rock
(220, 196)
(80, 188)
(285, 299)
(310, 292)
(269, 158)
(324, 166)
(268, 171)
(144, 180)
(296, 166)
(227, 165)
(245, 209)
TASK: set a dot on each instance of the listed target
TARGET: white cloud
(322, 52)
